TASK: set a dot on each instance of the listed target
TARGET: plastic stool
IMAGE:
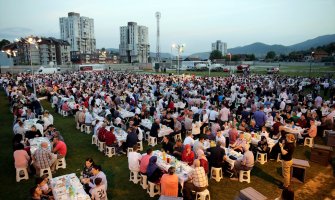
(140, 146)
(94, 139)
(279, 157)
(261, 158)
(19, 177)
(309, 142)
(178, 137)
(110, 151)
(134, 177)
(216, 174)
(151, 189)
(46, 171)
(82, 128)
(101, 146)
(152, 141)
(87, 129)
(144, 181)
(204, 195)
(244, 176)
(61, 163)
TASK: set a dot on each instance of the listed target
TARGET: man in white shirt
(213, 114)
(134, 159)
(204, 121)
(224, 113)
(189, 139)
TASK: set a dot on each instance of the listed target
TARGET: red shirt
(204, 164)
(109, 138)
(144, 163)
(60, 148)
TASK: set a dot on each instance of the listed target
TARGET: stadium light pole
(180, 49)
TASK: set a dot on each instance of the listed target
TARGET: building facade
(42, 53)
(221, 46)
(79, 32)
(134, 44)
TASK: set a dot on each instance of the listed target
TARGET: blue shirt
(260, 118)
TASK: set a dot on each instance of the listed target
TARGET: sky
(194, 23)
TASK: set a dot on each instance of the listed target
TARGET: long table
(68, 187)
(183, 170)
(35, 144)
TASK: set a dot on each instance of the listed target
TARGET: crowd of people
(213, 115)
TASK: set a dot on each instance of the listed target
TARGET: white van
(48, 70)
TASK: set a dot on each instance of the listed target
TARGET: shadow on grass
(308, 154)
(265, 176)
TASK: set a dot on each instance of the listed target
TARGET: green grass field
(264, 178)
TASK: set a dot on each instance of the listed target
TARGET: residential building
(79, 32)
(221, 46)
(42, 53)
(134, 44)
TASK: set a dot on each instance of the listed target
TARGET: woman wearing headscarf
(188, 155)
(153, 172)
(203, 160)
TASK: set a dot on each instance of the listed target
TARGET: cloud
(14, 32)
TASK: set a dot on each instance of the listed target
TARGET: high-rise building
(221, 46)
(134, 44)
(79, 32)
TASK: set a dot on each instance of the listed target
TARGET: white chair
(140, 146)
(101, 146)
(87, 129)
(24, 175)
(46, 171)
(216, 174)
(244, 176)
(309, 142)
(61, 163)
(153, 189)
(134, 177)
(94, 139)
(129, 150)
(152, 141)
(204, 195)
(178, 137)
(144, 181)
(261, 158)
(59, 110)
(110, 151)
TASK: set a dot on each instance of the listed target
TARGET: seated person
(36, 193)
(189, 139)
(97, 173)
(216, 156)
(264, 132)
(275, 128)
(155, 128)
(197, 181)
(167, 146)
(145, 161)
(134, 159)
(43, 158)
(59, 148)
(203, 160)
(111, 141)
(169, 183)
(153, 172)
(187, 155)
(240, 143)
(262, 146)
(209, 135)
(311, 132)
(87, 173)
(102, 132)
(243, 126)
(99, 191)
(33, 133)
(130, 141)
(42, 183)
(245, 164)
(178, 149)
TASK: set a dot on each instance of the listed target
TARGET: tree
(270, 55)
(216, 54)
(4, 43)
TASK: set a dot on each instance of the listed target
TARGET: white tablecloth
(29, 123)
(146, 123)
(231, 152)
(35, 143)
(119, 133)
(297, 130)
(164, 130)
(257, 138)
(183, 170)
(125, 114)
(68, 187)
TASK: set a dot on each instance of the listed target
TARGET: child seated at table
(99, 192)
